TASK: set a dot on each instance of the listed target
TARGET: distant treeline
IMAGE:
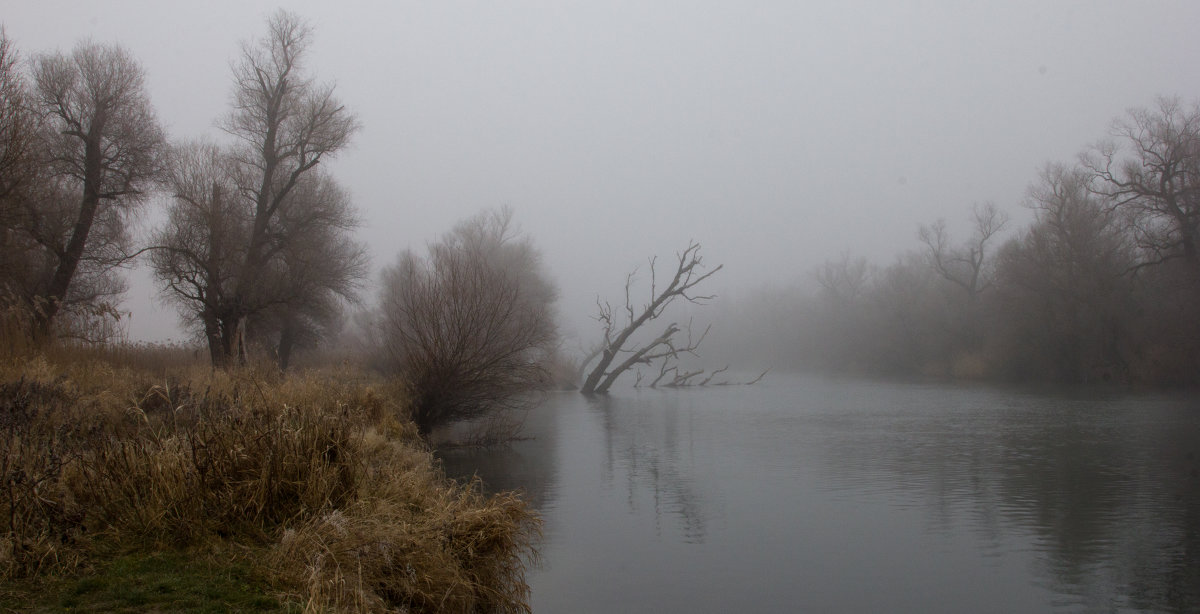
(1102, 285)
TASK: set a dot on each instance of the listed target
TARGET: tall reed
(320, 473)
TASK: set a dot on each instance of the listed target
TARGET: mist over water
(778, 134)
(811, 494)
(873, 179)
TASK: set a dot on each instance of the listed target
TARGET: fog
(777, 134)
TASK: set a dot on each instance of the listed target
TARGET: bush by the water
(317, 480)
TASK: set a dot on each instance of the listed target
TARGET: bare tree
(19, 173)
(469, 327)
(843, 287)
(1150, 169)
(199, 248)
(612, 356)
(317, 271)
(968, 265)
(201, 251)
(844, 281)
(18, 132)
(1066, 302)
(245, 262)
(286, 123)
(95, 140)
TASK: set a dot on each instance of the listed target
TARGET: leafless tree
(202, 242)
(18, 131)
(612, 356)
(201, 251)
(19, 171)
(99, 145)
(967, 266)
(470, 326)
(843, 287)
(844, 281)
(318, 269)
(286, 123)
(1150, 169)
(1066, 303)
(252, 198)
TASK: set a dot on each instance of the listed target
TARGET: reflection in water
(817, 495)
(528, 466)
(1105, 488)
(643, 452)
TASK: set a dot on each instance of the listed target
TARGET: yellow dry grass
(320, 472)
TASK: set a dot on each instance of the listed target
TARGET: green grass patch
(154, 582)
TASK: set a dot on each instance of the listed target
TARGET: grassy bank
(245, 490)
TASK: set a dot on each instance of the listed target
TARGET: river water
(805, 494)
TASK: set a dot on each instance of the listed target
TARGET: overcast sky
(778, 134)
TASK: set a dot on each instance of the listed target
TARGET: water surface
(818, 495)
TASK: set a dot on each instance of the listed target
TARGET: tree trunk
(287, 342)
(593, 378)
(685, 278)
(212, 332)
(226, 344)
(68, 263)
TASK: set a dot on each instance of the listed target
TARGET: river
(807, 494)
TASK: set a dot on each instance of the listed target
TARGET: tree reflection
(648, 453)
(1108, 489)
(1100, 493)
(528, 465)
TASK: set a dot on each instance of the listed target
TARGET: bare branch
(687, 275)
(469, 326)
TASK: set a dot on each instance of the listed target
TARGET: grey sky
(776, 133)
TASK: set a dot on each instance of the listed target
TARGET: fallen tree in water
(618, 353)
(687, 379)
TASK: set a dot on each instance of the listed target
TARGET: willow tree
(18, 132)
(19, 172)
(1150, 170)
(969, 266)
(100, 146)
(201, 250)
(250, 196)
(317, 270)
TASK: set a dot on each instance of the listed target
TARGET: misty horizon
(777, 136)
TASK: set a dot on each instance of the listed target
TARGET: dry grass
(316, 471)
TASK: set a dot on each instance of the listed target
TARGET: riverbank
(134, 487)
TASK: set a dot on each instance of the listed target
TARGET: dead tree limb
(688, 274)
(663, 369)
(749, 383)
(714, 374)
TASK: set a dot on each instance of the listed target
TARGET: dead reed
(317, 473)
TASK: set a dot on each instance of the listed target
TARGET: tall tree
(101, 143)
(284, 124)
(967, 266)
(1150, 169)
(18, 130)
(967, 270)
(1066, 302)
(318, 269)
(19, 171)
(200, 247)
(200, 252)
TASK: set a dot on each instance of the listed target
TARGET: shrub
(470, 328)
